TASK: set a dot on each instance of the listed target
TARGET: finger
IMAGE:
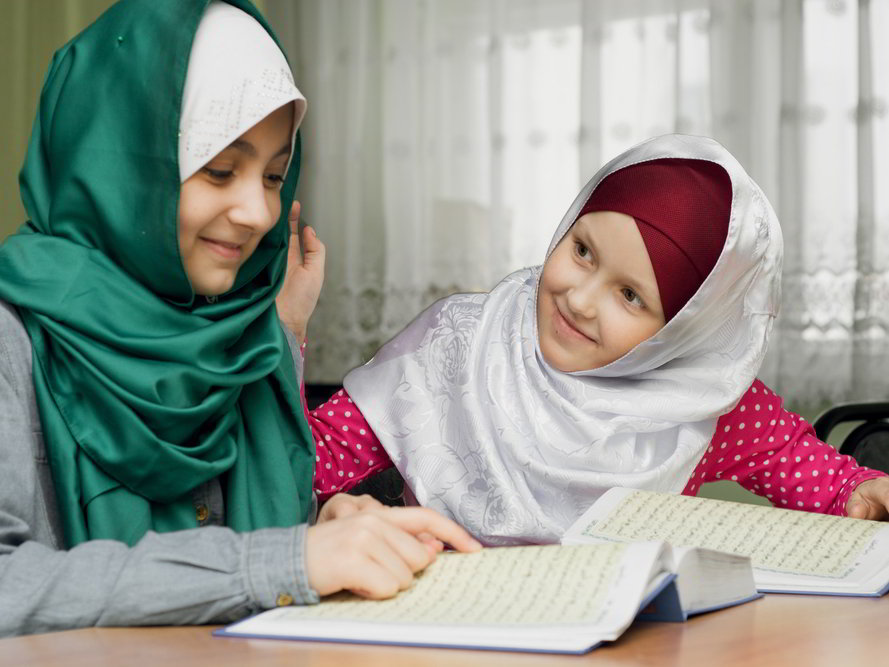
(870, 500)
(873, 511)
(875, 493)
(366, 502)
(295, 244)
(431, 542)
(343, 510)
(412, 551)
(338, 505)
(856, 508)
(375, 542)
(371, 580)
(862, 506)
(880, 488)
(313, 249)
(343, 505)
(417, 520)
(409, 550)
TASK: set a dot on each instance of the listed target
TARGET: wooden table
(776, 630)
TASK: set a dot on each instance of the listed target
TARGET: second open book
(791, 551)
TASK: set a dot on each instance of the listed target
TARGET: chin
(556, 360)
(213, 288)
(576, 368)
(564, 362)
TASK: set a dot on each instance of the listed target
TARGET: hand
(870, 500)
(343, 505)
(375, 553)
(303, 279)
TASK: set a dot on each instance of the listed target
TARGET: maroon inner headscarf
(682, 210)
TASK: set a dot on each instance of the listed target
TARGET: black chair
(317, 393)
(867, 443)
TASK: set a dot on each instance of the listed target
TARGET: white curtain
(445, 138)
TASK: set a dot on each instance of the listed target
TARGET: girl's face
(229, 204)
(598, 296)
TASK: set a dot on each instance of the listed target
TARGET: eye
(274, 180)
(581, 250)
(218, 174)
(632, 298)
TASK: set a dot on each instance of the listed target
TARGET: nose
(252, 206)
(583, 299)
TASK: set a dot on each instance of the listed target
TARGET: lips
(566, 328)
(224, 249)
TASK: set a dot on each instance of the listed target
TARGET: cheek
(192, 213)
(551, 284)
(545, 282)
(615, 319)
(186, 233)
(556, 272)
(630, 329)
(274, 204)
(542, 301)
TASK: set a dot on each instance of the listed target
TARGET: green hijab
(145, 390)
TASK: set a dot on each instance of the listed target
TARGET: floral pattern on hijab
(485, 431)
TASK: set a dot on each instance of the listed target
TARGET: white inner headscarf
(488, 433)
(236, 76)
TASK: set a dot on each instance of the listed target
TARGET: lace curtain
(445, 139)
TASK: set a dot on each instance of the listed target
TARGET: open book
(791, 551)
(561, 599)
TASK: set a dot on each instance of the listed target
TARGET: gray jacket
(204, 575)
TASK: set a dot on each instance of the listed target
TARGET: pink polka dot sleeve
(775, 454)
(346, 449)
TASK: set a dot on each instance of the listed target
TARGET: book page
(536, 585)
(774, 539)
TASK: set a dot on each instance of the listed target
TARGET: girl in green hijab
(155, 464)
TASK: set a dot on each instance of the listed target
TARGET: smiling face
(231, 202)
(598, 296)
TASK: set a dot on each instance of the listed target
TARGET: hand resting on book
(373, 550)
(870, 500)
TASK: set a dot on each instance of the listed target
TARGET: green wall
(30, 32)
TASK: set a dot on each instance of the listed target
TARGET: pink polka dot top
(760, 445)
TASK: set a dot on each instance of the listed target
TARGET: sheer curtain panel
(445, 138)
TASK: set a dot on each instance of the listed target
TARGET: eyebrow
(249, 149)
(643, 289)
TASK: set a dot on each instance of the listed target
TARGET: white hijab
(485, 431)
(236, 76)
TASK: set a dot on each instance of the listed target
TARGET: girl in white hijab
(628, 359)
